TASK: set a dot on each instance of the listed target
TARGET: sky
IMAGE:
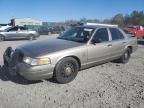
(61, 10)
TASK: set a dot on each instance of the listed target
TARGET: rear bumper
(134, 48)
(37, 35)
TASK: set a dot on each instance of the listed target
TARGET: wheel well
(2, 35)
(30, 35)
(130, 47)
(77, 59)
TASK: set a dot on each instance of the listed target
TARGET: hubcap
(68, 70)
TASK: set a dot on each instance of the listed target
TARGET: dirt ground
(110, 85)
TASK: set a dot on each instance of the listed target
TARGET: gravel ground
(110, 85)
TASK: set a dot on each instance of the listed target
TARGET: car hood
(39, 48)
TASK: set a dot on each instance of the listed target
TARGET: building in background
(30, 23)
(26, 21)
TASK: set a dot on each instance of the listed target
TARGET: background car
(138, 31)
(18, 32)
(4, 27)
(47, 30)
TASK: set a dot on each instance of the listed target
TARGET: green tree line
(134, 18)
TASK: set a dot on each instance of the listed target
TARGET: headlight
(31, 61)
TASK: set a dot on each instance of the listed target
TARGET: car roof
(95, 26)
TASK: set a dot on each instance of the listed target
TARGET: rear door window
(23, 28)
(13, 29)
(116, 34)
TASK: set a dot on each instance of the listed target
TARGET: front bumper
(25, 70)
(35, 72)
(37, 35)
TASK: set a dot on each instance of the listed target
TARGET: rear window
(13, 29)
(23, 28)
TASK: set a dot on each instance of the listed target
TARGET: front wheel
(126, 56)
(66, 70)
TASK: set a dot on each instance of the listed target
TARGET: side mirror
(94, 41)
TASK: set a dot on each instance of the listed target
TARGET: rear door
(118, 42)
(101, 50)
(23, 32)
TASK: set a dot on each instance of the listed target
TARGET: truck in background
(138, 31)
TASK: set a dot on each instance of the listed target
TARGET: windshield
(5, 27)
(77, 34)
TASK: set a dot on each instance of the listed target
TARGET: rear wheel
(31, 37)
(126, 56)
(2, 38)
(66, 70)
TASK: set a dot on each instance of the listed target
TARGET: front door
(12, 33)
(22, 32)
(101, 50)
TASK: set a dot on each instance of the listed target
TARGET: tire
(2, 38)
(5, 63)
(31, 37)
(126, 56)
(66, 70)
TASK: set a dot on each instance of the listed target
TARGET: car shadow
(141, 42)
(17, 40)
(6, 76)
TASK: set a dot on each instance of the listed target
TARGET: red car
(138, 31)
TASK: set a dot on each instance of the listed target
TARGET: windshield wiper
(70, 39)
(62, 38)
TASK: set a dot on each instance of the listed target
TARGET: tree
(118, 19)
(106, 21)
(135, 18)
